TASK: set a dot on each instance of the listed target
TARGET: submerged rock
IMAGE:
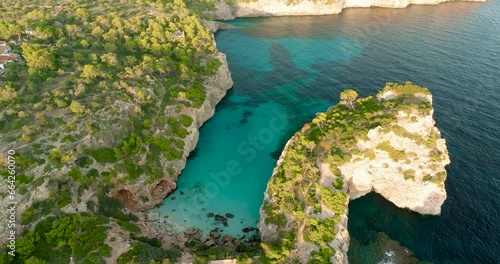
(215, 235)
(227, 238)
(248, 229)
(220, 218)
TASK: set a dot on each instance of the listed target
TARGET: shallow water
(286, 69)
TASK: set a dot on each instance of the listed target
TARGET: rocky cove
(216, 87)
(362, 186)
(292, 64)
(398, 153)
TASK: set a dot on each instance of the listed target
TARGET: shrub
(91, 205)
(23, 179)
(322, 256)
(185, 120)
(409, 174)
(147, 123)
(143, 253)
(154, 242)
(338, 183)
(92, 173)
(335, 200)
(103, 155)
(111, 207)
(75, 173)
(369, 154)
(128, 226)
(77, 107)
(84, 162)
(278, 252)
(394, 154)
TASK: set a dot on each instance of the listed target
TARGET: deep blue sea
(286, 69)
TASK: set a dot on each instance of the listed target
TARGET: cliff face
(387, 144)
(414, 136)
(216, 87)
(304, 7)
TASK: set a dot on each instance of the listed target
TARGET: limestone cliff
(382, 173)
(305, 7)
(387, 144)
(216, 87)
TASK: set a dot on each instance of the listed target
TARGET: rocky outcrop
(402, 157)
(382, 174)
(414, 136)
(281, 8)
(305, 7)
(141, 196)
(222, 11)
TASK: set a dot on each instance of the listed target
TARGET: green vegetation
(405, 89)
(394, 154)
(439, 178)
(99, 93)
(297, 198)
(57, 239)
(409, 174)
(121, 60)
(242, 252)
(338, 183)
(348, 97)
(279, 251)
(142, 252)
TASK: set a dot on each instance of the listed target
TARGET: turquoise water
(286, 69)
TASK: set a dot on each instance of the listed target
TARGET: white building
(6, 56)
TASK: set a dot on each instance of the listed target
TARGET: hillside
(99, 116)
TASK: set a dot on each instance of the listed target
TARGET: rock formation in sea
(387, 144)
(258, 8)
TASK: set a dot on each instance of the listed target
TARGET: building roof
(3, 47)
(8, 57)
(179, 33)
(3, 59)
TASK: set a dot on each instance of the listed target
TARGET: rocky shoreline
(263, 8)
(153, 226)
(132, 195)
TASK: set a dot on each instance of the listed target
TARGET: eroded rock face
(145, 196)
(222, 11)
(405, 182)
(281, 8)
(308, 7)
(163, 186)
